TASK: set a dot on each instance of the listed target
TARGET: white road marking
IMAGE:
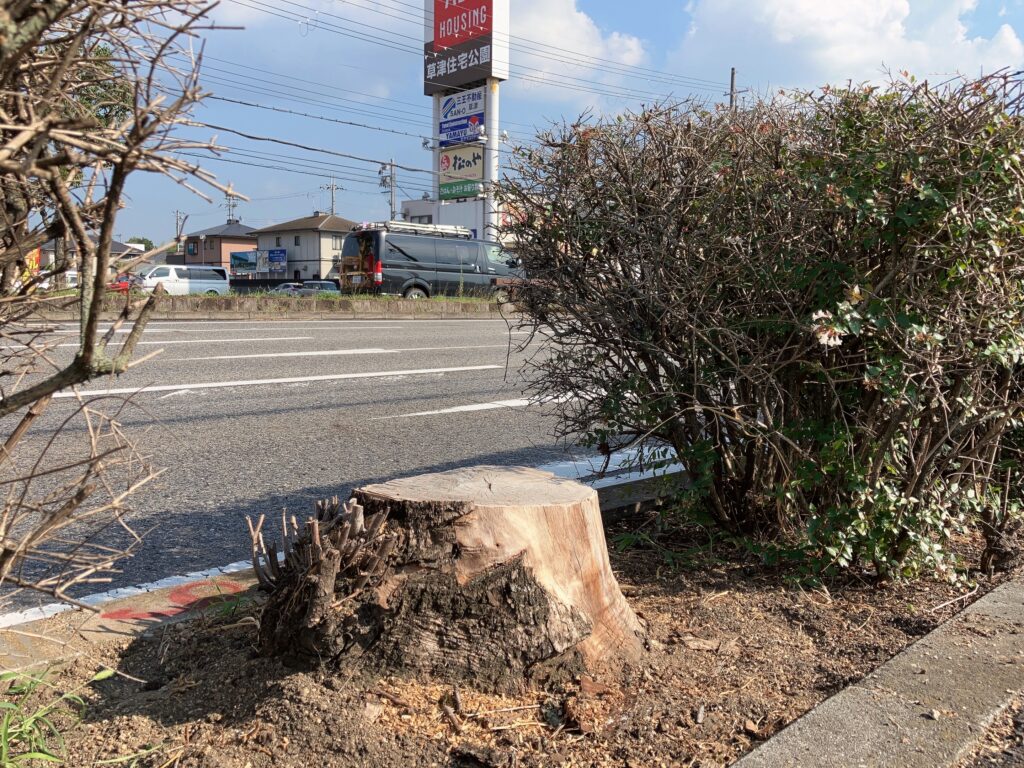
(260, 382)
(461, 409)
(331, 352)
(213, 341)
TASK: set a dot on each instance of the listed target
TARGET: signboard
(465, 41)
(462, 117)
(243, 262)
(463, 163)
(456, 21)
(454, 190)
(277, 260)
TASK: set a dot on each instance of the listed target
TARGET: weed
(27, 732)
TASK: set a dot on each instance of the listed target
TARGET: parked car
(181, 281)
(286, 289)
(122, 283)
(421, 260)
(313, 287)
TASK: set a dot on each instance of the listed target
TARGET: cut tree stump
(494, 575)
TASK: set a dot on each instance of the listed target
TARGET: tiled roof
(325, 222)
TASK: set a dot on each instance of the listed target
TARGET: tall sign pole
(492, 167)
(465, 58)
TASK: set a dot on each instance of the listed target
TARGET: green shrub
(815, 302)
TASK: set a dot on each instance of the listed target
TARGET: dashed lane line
(333, 352)
(266, 382)
(214, 341)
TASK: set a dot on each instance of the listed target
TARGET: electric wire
(584, 86)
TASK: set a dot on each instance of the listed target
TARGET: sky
(353, 68)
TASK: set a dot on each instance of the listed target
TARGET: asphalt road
(251, 417)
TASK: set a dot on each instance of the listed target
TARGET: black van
(421, 260)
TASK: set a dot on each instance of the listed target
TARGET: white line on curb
(256, 382)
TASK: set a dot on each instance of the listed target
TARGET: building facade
(215, 245)
(312, 244)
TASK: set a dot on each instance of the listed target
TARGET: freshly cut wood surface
(500, 515)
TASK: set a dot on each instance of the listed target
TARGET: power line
(317, 117)
(355, 172)
(587, 86)
(283, 168)
(566, 56)
(284, 142)
(325, 118)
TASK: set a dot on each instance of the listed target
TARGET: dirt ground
(1002, 746)
(740, 652)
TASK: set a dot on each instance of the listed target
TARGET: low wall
(297, 307)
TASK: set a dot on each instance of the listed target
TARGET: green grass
(331, 296)
(30, 705)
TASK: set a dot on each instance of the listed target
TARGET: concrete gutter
(924, 708)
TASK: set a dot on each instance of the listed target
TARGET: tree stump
(494, 574)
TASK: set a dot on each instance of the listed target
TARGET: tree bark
(495, 575)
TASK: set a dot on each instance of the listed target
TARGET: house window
(192, 248)
(277, 242)
(209, 244)
(296, 239)
(337, 241)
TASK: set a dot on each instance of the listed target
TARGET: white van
(181, 281)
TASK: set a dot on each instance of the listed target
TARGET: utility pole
(332, 188)
(394, 192)
(388, 181)
(732, 88)
(231, 202)
(179, 222)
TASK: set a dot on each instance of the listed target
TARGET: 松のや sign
(462, 171)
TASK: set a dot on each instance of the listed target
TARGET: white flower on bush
(826, 331)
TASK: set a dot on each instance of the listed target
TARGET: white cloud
(808, 42)
(570, 32)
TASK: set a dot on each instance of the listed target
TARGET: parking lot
(249, 417)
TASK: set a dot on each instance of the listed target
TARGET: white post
(492, 166)
(435, 142)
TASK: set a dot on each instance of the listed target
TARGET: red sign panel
(456, 21)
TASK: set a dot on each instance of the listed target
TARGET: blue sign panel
(461, 129)
(462, 117)
(277, 259)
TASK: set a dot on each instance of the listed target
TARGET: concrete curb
(925, 707)
(275, 308)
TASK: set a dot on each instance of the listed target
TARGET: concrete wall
(272, 307)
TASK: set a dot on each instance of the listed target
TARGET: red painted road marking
(180, 599)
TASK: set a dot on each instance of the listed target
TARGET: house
(312, 244)
(215, 245)
(118, 252)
